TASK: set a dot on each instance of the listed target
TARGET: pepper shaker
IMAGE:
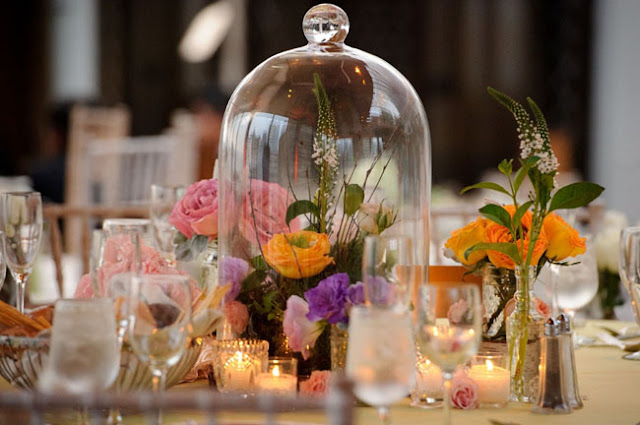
(570, 375)
(551, 390)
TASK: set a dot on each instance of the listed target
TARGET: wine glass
(576, 285)
(160, 322)
(380, 356)
(22, 226)
(629, 269)
(163, 199)
(388, 271)
(449, 329)
(83, 355)
(3, 260)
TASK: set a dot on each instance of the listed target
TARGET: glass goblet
(449, 329)
(159, 323)
(629, 269)
(163, 199)
(83, 355)
(380, 356)
(22, 226)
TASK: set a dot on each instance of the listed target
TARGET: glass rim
(22, 193)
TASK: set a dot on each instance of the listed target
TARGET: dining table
(609, 385)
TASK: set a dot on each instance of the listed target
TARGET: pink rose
(542, 307)
(302, 333)
(264, 212)
(457, 311)
(237, 315)
(464, 391)
(197, 212)
(317, 384)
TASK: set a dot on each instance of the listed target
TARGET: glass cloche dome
(321, 146)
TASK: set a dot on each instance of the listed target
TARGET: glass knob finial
(325, 23)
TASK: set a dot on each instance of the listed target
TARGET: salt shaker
(551, 391)
(570, 375)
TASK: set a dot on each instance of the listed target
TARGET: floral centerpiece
(524, 236)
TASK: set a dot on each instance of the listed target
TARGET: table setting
(303, 269)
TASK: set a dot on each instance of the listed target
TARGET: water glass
(159, 323)
(3, 260)
(449, 329)
(380, 356)
(22, 226)
(119, 226)
(388, 269)
(163, 199)
(629, 269)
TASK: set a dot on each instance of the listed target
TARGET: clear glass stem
(446, 397)
(21, 286)
(384, 414)
(159, 385)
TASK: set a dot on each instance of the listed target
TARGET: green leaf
(506, 167)
(508, 249)
(575, 195)
(497, 214)
(253, 281)
(486, 185)
(523, 171)
(191, 248)
(353, 198)
(259, 263)
(302, 206)
(521, 211)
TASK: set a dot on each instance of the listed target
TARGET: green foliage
(497, 214)
(486, 185)
(301, 207)
(506, 167)
(189, 249)
(353, 198)
(575, 195)
(523, 172)
(508, 249)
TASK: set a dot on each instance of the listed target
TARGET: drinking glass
(380, 356)
(22, 226)
(159, 323)
(113, 248)
(576, 285)
(163, 199)
(118, 226)
(449, 329)
(629, 269)
(3, 260)
(388, 271)
(83, 355)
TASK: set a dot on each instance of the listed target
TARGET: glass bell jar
(320, 147)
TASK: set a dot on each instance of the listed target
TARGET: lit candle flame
(489, 365)
(276, 371)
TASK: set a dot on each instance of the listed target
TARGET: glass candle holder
(237, 364)
(281, 377)
(427, 391)
(489, 371)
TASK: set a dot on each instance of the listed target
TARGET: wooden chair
(22, 407)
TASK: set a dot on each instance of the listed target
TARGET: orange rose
(497, 233)
(299, 254)
(564, 240)
(538, 250)
(463, 239)
(526, 219)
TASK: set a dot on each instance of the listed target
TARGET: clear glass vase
(498, 287)
(525, 327)
(339, 337)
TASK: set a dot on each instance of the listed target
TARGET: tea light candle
(281, 377)
(428, 378)
(493, 383)
(239, 372)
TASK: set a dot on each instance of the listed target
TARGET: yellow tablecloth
(610, 387)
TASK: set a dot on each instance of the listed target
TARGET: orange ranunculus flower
(463, 239)
(298, 254)
(564, 240)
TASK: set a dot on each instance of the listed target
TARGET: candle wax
(493, 383)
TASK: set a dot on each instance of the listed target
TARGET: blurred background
(158, 74)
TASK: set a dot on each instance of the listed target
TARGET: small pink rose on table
(197, 212)
(464, 391)
(318, 384)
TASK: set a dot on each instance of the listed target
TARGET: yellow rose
(564, 240)
(298, 254)
(463, 239)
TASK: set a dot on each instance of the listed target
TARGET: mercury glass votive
(427, 391)
(238, 363)
(489, 371)
(281, 377)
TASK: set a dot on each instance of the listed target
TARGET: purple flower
(355, 294)
(327, 300)
(378, 291)
(232, 271)
(301, 332)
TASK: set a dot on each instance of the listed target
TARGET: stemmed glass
(163, 199)
(3, 260)
(380, 356)
(629, 269)
(449, 329)
(160, 322)
(22, 225)
(84, 355)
